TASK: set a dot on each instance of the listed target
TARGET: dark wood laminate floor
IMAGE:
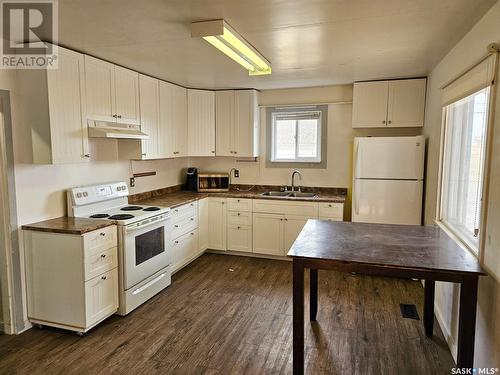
(232, 315)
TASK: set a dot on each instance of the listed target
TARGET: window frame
(473, 246)
(300, 162)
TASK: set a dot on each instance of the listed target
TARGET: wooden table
(426, 253)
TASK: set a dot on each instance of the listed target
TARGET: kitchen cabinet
(268, 229)
(237, 123)
(184, 234)
(394, 103)
(149, 99)
(72, 280)
(184, 249)
(239, 224)
(217, 226)
(112, 92)
(293, 225)
(201, 122)
(57, 110)
(203, 224)
(239, 237)
(173, 120)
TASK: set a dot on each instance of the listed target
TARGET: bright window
(296, 137)
(463, 165)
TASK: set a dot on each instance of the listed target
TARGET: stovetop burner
(121, 217)
(152, 209)
(131, 208)
(99, 216)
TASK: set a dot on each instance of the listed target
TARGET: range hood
(113, 130)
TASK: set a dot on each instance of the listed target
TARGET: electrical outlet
(236, 173)
(132, 181)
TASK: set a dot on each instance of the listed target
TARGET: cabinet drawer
(331, 210)
(101, 262)
(309, 209)
(183, 249)
(239, 238)
(239, 218)
(188, 209)
(184, 224)
(101, 296)
(238, 204)
(98, 240)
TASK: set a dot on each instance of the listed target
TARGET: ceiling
(309, 42)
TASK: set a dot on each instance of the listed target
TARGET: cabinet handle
(238, 227)
(143, 154)
(192, 234)
(213, 152)
(222, 202)
(192, 219)
(329, 205)
(235, 152)
(119, 116)
(104, 277)
(286, 219)
(102, 234)
(383, 121)
(176, 226)
(239, 201)
(176, 241)
(176, 210)
(103, 256)
(238, 214)
(86, 155)
(115, 116)
(389, 122)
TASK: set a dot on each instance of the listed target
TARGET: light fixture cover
(223, 37)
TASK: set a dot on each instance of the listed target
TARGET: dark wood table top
(392, 246)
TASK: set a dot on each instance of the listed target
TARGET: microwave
(213, 182)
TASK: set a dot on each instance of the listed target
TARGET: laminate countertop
(69, 225)
(179, 198)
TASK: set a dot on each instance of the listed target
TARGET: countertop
(179, 198)
(69, 225)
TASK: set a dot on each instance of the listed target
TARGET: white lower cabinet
(292, 228)
(217, 225)
(239, 238)
(203, 224)
(184, 249)
(268, 233)
(72, 280)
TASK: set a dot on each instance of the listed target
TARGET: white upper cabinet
(406, 103)
(112, 92)
(173, 119)
(150, 122)
(201, 123)
(57, 111)
(395, 103)
(225, 123)
(237, 119)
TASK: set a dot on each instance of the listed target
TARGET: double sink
(292, 194)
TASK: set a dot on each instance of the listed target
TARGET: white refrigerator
(388, 180)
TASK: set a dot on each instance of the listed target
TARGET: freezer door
(389, 157)
(387, 202)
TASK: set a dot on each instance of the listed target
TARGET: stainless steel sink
(276, 193)
(299, 194)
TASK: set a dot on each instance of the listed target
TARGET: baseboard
(452, 345)
(246, 254)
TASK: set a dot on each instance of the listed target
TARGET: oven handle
(147, 285)
(134, 228)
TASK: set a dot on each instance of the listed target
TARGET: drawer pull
(102, 234)
(238, 227)
(238, 214)
(192, 204)
(104, 277)
(192, 234)
(176, 241)
(176, 210)
(103, 255)
(329, 205)
(176, 226)
(192, 219)
(239, 201)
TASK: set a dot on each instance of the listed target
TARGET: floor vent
(409, 311)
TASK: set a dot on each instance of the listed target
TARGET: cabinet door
(68, 123)
(203, 224)
(406, 104)
(293, 227)
(127, 95)
(180, 120)
(217, 224)
(201, 123)
(149, 101)
(101, 296)
(225, 123)
(239, 238)
(369, 104)
(246, 130)
(166, 124)
(268, 234)
(100, 89)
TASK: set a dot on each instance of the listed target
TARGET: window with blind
(463, 161)
(296, 136)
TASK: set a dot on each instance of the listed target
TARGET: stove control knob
(78, 195)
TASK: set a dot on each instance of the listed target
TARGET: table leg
(313, 294)
(298, 317)
(430, 286)
(467, 322)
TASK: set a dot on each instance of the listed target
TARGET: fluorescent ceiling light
(223, 37)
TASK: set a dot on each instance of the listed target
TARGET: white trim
(450, 340)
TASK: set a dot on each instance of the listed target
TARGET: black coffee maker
(192, 179)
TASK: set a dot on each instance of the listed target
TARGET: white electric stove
(143, 238)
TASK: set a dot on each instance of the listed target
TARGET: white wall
(465, 53)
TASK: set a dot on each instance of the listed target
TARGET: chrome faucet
(293, 179)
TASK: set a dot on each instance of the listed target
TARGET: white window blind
(296, 137)
(463, 165)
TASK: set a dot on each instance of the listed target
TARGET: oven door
(145, 251)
